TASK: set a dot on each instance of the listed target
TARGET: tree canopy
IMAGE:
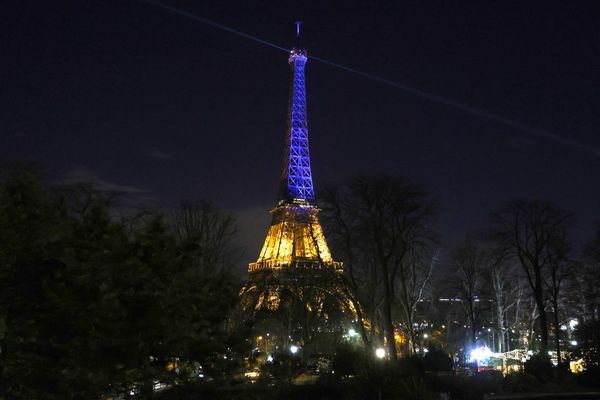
(89, 307)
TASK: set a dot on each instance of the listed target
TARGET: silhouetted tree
(586, 301)
(207, 235)
(505, 283)
(470, 261)
(559, 272)
(381, 227)
(89, 308)
(535, 234)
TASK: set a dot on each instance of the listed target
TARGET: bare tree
(585, 298)
(380, 227)
(559, 271)
(507, 293)
(209, 234)
(535, 234)
(470, 260)
(414, 275)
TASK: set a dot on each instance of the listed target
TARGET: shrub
(415, 388)
(540, 366)
(437, 360)
(347, 361)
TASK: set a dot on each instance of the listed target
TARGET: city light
(480, 353)
(425, 336)
(252, 375)
(294, 349)
(380, 352)
(573, 323)
(573, 342)
(351, 332)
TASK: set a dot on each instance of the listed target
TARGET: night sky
(145, 101)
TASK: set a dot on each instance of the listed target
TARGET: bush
(411, 365)
(414, 388)
(590, 377)
(520, 382)
(437, 360)
(347, 361)
(540, 366)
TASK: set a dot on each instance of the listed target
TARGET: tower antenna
(298, 23)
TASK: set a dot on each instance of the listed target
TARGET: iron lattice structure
(296, 176)
(295, 239)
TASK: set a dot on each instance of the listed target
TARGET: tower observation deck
(295, 239)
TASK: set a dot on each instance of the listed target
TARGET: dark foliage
(348, 361)
(590, 377)
(88, 308)
(437, 360)
(540, 366)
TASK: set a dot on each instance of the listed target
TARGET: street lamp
(380, 353)
(294, 349)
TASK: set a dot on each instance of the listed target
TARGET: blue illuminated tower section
(296, 176)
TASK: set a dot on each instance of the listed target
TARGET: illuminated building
(295, 265)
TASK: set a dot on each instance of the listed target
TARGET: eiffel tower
(295, 272)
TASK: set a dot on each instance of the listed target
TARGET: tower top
(298, 23)
(296, 176)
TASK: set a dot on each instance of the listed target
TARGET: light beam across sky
(532, 131)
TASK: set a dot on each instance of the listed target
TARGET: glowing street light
(294, 349)
(351, 332)
(380, 352)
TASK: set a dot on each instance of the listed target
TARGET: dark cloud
(82, 175)
(126, 199)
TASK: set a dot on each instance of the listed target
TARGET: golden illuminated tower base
(294, 290)
(294, 241)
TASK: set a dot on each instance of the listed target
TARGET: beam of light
(222, 27)
(540, 133)
(466, 108)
